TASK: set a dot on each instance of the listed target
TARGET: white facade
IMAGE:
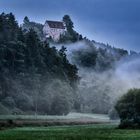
(53, 29)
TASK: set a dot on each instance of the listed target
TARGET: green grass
(91, 132)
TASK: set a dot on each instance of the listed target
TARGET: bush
(10, 122)
(128, 108)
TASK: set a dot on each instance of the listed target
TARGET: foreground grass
(91, 132)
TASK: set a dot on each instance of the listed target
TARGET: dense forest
(38, 78)
(34, 76)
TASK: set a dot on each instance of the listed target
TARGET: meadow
(81, 132)
(74, 126)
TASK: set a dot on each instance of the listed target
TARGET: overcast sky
(116, 22)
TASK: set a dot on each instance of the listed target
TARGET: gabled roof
(56, 24)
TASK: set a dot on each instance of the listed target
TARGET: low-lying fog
(113, 82)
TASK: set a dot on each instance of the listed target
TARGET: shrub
(128, 108)
(10, 122)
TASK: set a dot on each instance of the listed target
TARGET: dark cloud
(111, 21)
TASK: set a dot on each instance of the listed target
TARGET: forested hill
(38, 78)
(98, 56)
(31, 72)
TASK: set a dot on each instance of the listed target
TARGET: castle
(53, 29)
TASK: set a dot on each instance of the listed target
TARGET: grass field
(85, 132)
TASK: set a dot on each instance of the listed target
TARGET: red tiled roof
(55, 24)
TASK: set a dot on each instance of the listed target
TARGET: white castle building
(53, 29)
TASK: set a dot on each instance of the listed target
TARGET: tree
(8, 28)
(68, 23)
(86, 57)
(62, 53)
(13, 27)
(113, 115)
(37, 27)
(26, 20)
(60, 106)
(71, 35)
(8, 102)
(4, 110)
(32, 49)
(128, 108)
